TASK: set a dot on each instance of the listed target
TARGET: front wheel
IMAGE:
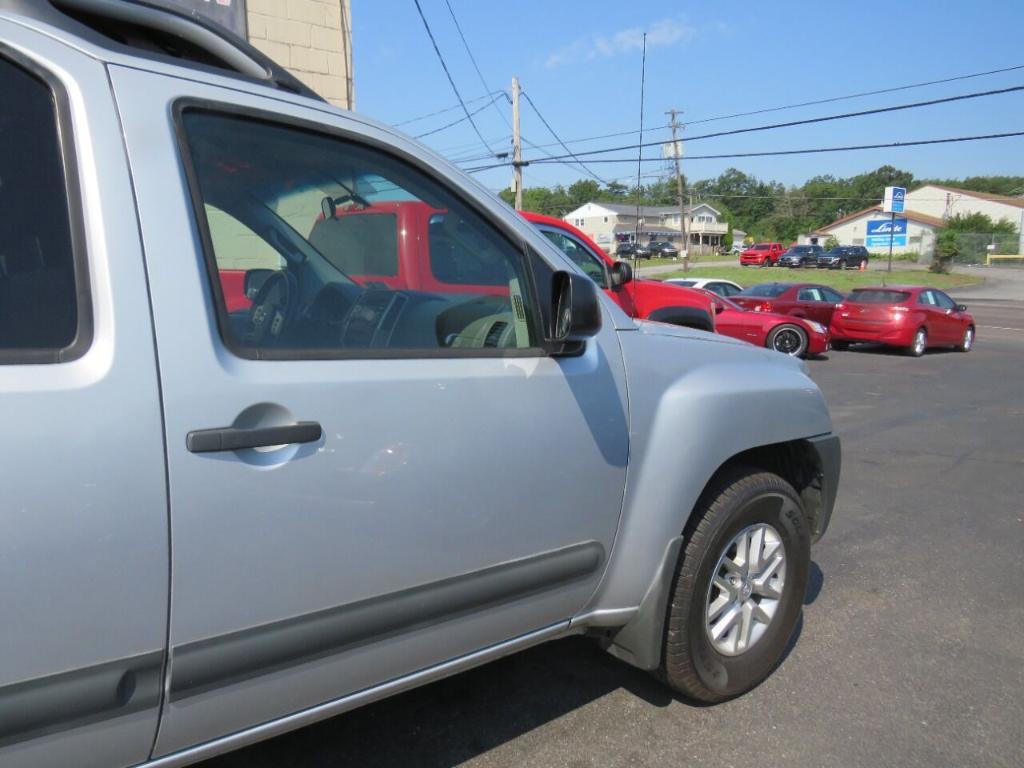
(967, 342)
(739, 586)
(788, 339)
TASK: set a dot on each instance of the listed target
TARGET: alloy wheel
(746, 588)
(920, 341)
(788, 341)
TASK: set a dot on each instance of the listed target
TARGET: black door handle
(232, 439)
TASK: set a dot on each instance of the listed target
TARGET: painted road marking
(1001, 328)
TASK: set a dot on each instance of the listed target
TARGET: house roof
(621, 209)
(920, 218)
(1017, 202)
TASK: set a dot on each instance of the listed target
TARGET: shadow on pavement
(451, 721)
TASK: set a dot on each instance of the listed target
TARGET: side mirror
(719, 307)
(575, 312)
(961, 307)
(254, 280)
(621, 273)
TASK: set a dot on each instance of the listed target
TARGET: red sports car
(907, 316)
(808, 300)
(796, 336)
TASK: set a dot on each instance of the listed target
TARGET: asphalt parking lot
(911, 651)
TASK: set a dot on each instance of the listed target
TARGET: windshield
(770, 290)
(762, 247)
(835, 252)
(800, 249)
(684, 283)
(874, 296)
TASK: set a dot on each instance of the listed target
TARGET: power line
(446, 126)
(451, 81)
(809, 121)
(446, 109)
(472, 58)
(832, 99)
(559, 140)
(849, 148)
(807, 103)
(816, 150)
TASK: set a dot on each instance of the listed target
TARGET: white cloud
(660, 34)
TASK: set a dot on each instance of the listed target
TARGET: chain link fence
(975, 247)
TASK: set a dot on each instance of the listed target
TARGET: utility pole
(517, 149)
(676, 152)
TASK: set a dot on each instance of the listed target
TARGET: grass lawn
(841, 280)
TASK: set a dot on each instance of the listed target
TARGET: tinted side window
(943, 300)
(39, 304)
(358, 254)
(927, 298)
(831, 295)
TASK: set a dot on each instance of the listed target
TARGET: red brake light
(764, 306)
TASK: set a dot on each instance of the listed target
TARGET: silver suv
(258, 473)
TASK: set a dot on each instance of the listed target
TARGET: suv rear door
(431, 517)
(83, 510)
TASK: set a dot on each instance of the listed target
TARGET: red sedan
(808, 300)
(790, 335)
(911, 317)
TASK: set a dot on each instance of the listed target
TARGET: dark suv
(844, 256)
(633, 251)
(801, 256)
(663, 249)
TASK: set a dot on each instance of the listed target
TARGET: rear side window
(879, 297)
(771, 290)
(43, 315)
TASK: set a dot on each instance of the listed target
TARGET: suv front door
(465, 486)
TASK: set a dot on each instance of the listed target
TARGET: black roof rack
(149, 29)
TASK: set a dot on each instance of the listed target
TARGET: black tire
(967, 342)
(917, 349)
(840, 346)
(779, 335)
(734, 502)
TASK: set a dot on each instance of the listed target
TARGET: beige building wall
(312, 39)
(920, 237)
(941, 202)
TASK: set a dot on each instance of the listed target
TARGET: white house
(946, 202)
(870, 227)
(608, 224)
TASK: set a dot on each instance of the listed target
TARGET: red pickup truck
(762, 254)
(640, 298)
(428, 252)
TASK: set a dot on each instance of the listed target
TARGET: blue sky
(580, 63)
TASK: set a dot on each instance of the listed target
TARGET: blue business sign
(879, 231)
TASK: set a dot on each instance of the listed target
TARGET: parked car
(633, 251)
(663, 249)
(911, 317)
(795, 336)
(737, 248)
(815, 302)
(799, 256)
(640, 298)
(717, 286)
(761, 254)
(345, 488)
(844, 256)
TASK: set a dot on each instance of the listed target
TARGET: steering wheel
(272, 308)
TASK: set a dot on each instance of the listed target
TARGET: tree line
(765, 210)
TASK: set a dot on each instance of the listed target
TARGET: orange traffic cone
(863, 266)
